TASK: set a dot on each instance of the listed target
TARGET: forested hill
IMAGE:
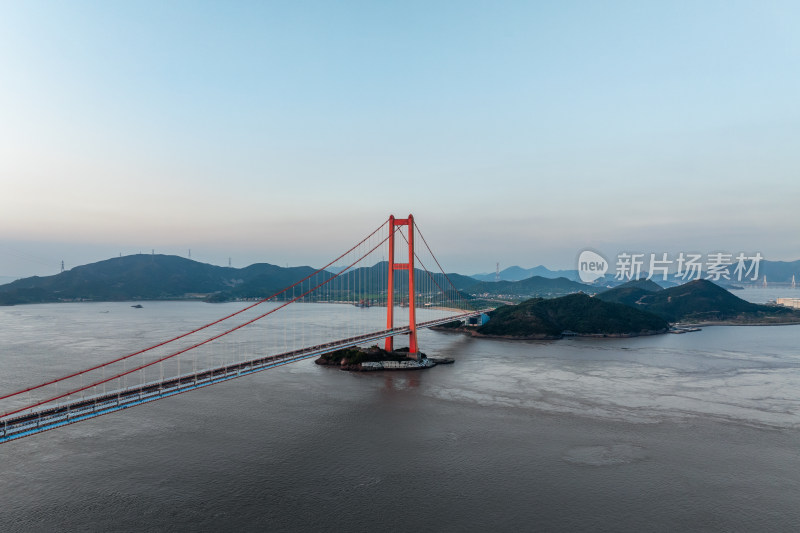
(154, 277)
(631, 292)
(577, 313)
(142, 277)
(698, 301)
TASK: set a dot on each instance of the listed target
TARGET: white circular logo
(591, 266)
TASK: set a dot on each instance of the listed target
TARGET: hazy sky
(283, 132)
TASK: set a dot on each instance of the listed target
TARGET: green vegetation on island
(629, 293)
(699, 301)
(351, 358)
(576, 313)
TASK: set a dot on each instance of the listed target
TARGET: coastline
(735, 323)
(545, 337)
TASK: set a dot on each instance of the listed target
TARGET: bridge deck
(96, 405)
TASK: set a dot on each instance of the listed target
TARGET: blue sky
(518, 132)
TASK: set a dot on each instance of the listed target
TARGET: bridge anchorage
(229, 347)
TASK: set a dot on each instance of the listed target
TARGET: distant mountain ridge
(369, 281)
(536, 286)
(143, 277)
(779, 271)
(159, 277)
(775, 271)
(517, 273)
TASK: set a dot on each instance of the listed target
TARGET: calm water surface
(760, 295)
(676, 432)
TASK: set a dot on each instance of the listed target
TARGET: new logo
(591, 266)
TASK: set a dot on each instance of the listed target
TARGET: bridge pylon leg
(389, 345)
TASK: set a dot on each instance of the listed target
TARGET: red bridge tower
(412, 321)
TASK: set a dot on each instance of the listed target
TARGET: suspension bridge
(268, 333)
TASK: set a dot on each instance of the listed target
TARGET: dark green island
(375, 358)
(636, 308)
(571, 315)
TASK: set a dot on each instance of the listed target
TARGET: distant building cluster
(789, 302)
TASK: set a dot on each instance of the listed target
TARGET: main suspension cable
(164, 343)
